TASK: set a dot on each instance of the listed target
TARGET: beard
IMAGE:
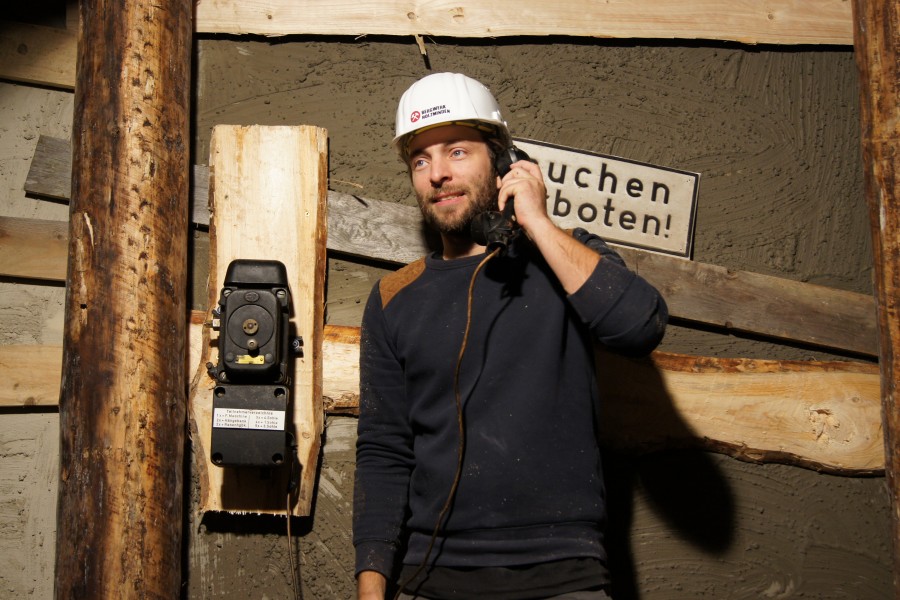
(482, 195)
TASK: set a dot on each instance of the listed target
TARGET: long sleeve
(384, 454)
(531, 487)
(624, 312)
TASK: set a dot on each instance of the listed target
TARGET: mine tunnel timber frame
(876, 40)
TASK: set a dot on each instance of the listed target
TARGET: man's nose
(440, 171)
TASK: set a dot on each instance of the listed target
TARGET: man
(477, 459)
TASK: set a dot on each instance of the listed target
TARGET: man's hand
(571, 261)
(525, 183)
(371, 585)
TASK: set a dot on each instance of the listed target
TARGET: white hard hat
(443, 99)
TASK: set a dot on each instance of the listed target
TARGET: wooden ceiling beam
(744, 21)
(46, 55)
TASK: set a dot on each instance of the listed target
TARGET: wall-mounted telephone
(251, 423)
(496, 229)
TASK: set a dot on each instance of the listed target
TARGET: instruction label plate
(242, 418)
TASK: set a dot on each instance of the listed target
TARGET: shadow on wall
(686, 488)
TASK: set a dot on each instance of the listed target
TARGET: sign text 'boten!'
(623, 201)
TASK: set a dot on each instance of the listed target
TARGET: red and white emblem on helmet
(415, 116)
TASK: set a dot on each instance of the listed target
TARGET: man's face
(453, 178)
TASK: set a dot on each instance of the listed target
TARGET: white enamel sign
(623, 201)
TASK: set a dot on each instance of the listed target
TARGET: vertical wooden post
(122, 404)
(877, 44)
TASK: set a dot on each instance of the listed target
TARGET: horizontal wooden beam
(758, 304)
(697, 292)
(30, 375)
(34, 248)
(824, 416)
(745, 21)
(819, 415)
(46, 55)
(36, 54)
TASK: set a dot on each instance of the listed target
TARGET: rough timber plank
(877, 36)
(265, 181)
(30, 375)
(818, 415)
(33, 248)
(824, 416)
(36, 54)
(752, 22)
(46, 55)
(50, 171)
(760, 304)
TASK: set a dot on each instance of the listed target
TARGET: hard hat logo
(450, 98)
(435, 111)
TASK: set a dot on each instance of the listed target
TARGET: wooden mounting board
(267, 201)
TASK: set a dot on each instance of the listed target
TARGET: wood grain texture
(30, 375)
(761, 304)
(50, 171)
(823, 416)
(122, 410)
(36, 54)
(33, 248)
(746, 21)
(877, 36)
(46, 55)
(820, 415)
(268, 202)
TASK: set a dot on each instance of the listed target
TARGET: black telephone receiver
(496, 229)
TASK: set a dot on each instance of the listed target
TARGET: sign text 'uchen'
(623, 201)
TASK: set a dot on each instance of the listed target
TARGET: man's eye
(458, 152)
(418, 163)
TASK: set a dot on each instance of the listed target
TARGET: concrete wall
(774, 133)
(29, 314)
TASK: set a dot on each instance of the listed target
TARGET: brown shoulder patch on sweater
(396, 281)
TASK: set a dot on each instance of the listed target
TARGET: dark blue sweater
(531, 489)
